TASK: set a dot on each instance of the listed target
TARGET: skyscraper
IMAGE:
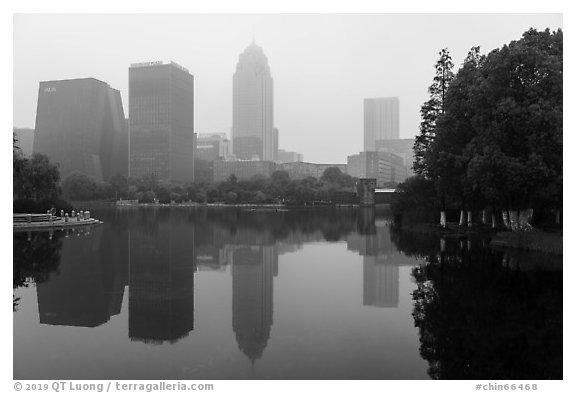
(80, 126)
(162, 139)
(381, 120)
(253, 136)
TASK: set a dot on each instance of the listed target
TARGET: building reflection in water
(381, 260)
(253, 256)
(88, 287)
(252, 297)
(156, 253)
(380, 283)
(161, 286)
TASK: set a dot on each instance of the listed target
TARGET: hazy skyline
(323, 65)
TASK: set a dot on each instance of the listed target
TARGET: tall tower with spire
(253, 137)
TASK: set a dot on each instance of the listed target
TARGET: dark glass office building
(80, 126)
(162, 139)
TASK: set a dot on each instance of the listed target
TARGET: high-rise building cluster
(80, 125)
(386, 157)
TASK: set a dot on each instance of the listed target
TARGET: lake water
(225, 293)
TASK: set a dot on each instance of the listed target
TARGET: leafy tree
(201, 196)
(447, 156)
(518, 148)
(148, 182)
(36, 178)
(231, 197)
(280, 177)
(163, 194)
(414, 200)
(119, 186)
(432, 110)
(334, 175)
(260, 197)
(176, 197)
(493, 133)
(147, 197)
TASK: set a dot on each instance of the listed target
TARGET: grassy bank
(534, 240)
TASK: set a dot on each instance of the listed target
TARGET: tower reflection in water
(161, 260)
(252, 297)
(88, 286)
(157, 252)
(253, 256)
(381, 260)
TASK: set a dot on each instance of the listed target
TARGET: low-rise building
(210, 147)
(288, 156)
(383, 166)
(302, 170)
(243, 170)
(400, 147)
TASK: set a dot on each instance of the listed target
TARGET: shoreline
(533, 240)
(256, 206)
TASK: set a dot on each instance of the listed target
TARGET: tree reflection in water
(36, 256)
(484, 313)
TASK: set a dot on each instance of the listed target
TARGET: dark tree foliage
(35, 178)
(80, 187)
(431, 111)
(334, 186)
(516, 154)
(447, 157)
(119, 186)
(335, 176)
(35, 257)
(35, 184)
(492, 133)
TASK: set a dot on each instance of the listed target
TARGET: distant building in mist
(400, 147)
(25, 140)
(381, 120)
(382, 166)
(288, 156)
(253, 133)
(80, 126)
(302, 170)
(162, 139)
(243, 170)
(210, 147)
(276, 143)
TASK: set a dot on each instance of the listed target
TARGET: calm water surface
(160, 293)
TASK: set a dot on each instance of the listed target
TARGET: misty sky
(323, 65)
